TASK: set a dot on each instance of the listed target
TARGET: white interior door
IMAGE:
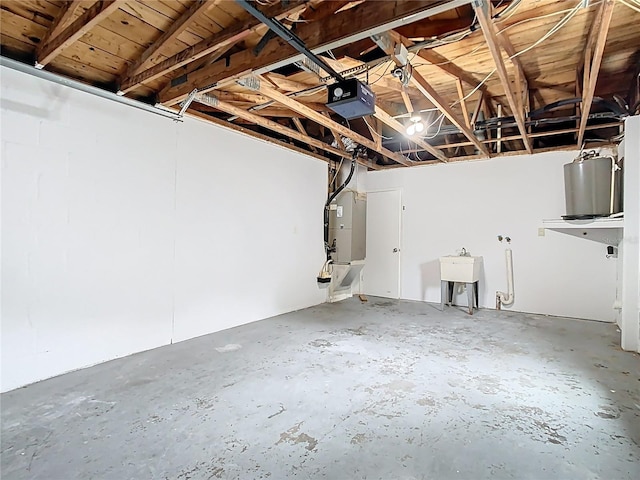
(381, 274)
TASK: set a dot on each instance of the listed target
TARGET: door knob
(395, 250)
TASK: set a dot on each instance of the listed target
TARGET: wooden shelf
(603, 230)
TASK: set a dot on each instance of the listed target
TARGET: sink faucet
(463, 253)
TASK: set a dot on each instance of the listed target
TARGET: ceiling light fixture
(415, 125)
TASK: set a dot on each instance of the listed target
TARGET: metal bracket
(384, 41)
(206, 99)
(263, 42)
(252, 82)
(188, 101)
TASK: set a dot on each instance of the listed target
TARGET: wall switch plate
(541, 232)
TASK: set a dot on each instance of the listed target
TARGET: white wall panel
(468, 204)
(123, 231)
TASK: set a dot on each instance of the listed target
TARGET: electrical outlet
(541, 232)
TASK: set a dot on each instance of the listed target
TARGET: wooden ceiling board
(113, 43)
(131, 28)
(13, 46)
(21, 28)
(94, 57)
(37, 11)
(169, 9)
(72, 68)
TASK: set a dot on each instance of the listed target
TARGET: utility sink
(461, 269)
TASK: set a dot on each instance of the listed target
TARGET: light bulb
(419, 127)
(411, 129)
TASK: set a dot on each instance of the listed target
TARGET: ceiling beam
(100, 10)
(597, 38)
(67, 11)
(215, 102)
(517, 137)
(398, 127)
(521, 81)
(488, 29)
(265, 89)
(230, 35)
(336, 135)
(252, 133)
(337, 30)
(323, 9)
(463, 103)
(171, 34)
(375, 130)
(429, 92)
(441, 62)
(387, 43)
(300, 127)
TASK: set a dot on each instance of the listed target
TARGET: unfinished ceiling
(486, 78)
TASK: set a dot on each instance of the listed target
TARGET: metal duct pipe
(83, 87)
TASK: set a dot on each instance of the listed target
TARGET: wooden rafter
(336, 135)
(597, 38)
(375, 130)
(463, 103)
(169, 35)
(387, 43)
(442, 63)
(230, 35)
(517, 137)
(398, 127)
(489, 31)
(313, 115)
(301, 129)
(521, 80)
(67, 11)
(337, 30)
(85, 22)
(252, 133)
(226, 107)
(207, 59)
(429, 92)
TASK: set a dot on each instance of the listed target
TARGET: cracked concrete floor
(383, 389)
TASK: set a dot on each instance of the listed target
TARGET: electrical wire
(556, 28)
(429, 137)
(372, 130)
(632, 7)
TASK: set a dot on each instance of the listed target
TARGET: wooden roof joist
(337, 30)
(592, 61)
(488, 29)
(48, 50)
(208, 46)
(213, 101)
(263, 87)
(171, 34)
(550, 133)
(388, 43)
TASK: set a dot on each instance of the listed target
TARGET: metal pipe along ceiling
(98, 92)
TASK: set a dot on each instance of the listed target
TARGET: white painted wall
(629, 282)
(124, 231)
(468, 204)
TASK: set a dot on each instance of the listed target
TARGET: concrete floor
(384, 389)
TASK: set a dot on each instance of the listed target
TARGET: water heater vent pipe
(506, 298)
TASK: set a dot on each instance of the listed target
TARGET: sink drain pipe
(506, 298)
